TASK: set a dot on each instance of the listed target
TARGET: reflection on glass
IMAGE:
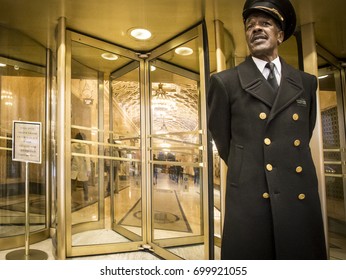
(176, 171)
(22, 98)
(334, 173)
(84, 117)
(331, 145)
(217, 193)
(184, 56)
(126, 127)
(105, 103)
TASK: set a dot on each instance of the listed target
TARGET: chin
(259, 52)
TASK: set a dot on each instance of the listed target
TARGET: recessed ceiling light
(109, 56)
(183, 51)
(152, 68)
(140, 33)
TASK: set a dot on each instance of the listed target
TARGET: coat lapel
(253, 82)
(291, 87)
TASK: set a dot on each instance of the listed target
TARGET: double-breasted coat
(272, 202)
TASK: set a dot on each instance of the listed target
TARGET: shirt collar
(261, 64)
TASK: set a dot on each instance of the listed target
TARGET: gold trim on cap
(273, 10)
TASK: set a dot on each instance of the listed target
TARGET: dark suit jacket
(272, 201)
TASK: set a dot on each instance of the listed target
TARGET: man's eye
(249, 26)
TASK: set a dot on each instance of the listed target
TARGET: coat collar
(253, 82)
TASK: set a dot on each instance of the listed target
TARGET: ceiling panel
(110, 20)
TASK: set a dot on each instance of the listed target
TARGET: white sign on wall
(26, 142)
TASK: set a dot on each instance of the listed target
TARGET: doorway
(136, 168)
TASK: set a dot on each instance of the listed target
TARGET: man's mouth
(258, 38)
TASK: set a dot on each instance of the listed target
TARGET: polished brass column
(61, 144)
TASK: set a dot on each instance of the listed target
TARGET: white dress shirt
(261, 65)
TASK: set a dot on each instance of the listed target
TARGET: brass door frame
(66, 248)
(66, 203)
(193, 33)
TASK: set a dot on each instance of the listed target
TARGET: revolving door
(136, 156)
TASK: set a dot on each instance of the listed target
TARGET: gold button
(296, 143)
(295, 117)
(299, 169)
(269, 167)
(267, 141)
(301, 196)
(266, 195)
(263, 116)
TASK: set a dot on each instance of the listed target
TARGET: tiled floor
(337, 252)
(188, 202)
(337, 245)
(46, 246)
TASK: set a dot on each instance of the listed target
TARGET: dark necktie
(271, 78)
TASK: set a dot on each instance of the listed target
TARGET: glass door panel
(125, 169)
(22, 98)
(175, 146)
(177, 161)
(332, 115)
(105, 176)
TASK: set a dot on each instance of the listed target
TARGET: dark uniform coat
(272, 202)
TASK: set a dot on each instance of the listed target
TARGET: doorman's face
(263, 36)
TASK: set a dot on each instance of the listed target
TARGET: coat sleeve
(219, 110)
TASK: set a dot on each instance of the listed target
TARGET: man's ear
(281, 37)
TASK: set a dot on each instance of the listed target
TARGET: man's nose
(257, 27)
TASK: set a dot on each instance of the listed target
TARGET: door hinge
(143, 55)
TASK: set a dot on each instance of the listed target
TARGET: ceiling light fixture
(184, 51)
(3, 65)
(109, 56)
(140, 33)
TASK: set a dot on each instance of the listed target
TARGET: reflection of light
(322, 77)
(140, 33)
(109, 56)
(152, 68)
(7, 98)
(214, 146)
(165, 145)
(184, 51)
(161, 101)
(3, 65)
